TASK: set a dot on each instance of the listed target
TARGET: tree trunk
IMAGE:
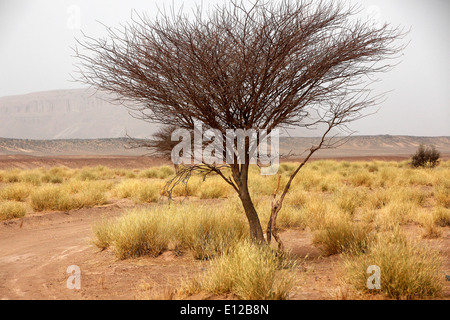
(256, 231)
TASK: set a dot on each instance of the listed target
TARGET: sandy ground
(37, 250)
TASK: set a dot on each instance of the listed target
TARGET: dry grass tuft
(248, 271)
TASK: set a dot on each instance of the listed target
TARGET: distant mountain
(76, 147)
(362, 146)
(357, 146)
(67, 114)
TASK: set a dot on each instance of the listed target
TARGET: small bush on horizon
(427, 157)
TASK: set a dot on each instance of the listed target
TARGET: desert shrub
(190, 189)
(373, 167)
(127, 188)
(316, 209)
(297, 198)
(10, 176)
(87, 198)
(378, 199)
(428, 221)
(87, 174)
(413, 196)
(51, 178)
(31, 177)
(348, 200)
(148, 193)
(265, 185)
(95, 173)
(50, 197)
(76, 186)
(103, 233)
(206, 233)
(214, 189)
(15, 192)
(202, 231)
(442, 196)
(362, 179)
(11, 210)
(249, 272)
(425, 157)
(441, 217)
(165, 172)
(157, 173)
(339, 234)
(291, 217)
(408, 271)
(386, 176)
(394, 214)
(140, 232)
(138, 190)
(60, 197)
(149, 173)
(287, 168)
(309, 181)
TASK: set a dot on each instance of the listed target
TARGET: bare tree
(266, 65)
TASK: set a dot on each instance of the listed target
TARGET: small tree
(425, 157)
(266, 65)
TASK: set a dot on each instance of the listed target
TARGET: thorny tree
(263, 65)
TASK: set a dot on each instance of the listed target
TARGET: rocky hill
(67, 114)
(358, 146)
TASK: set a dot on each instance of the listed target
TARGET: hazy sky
(36, 36)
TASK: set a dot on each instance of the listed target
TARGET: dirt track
(36, 251)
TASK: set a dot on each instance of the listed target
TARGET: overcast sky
(36, 36)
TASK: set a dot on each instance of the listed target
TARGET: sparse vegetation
(352, 209)
(204, 232)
